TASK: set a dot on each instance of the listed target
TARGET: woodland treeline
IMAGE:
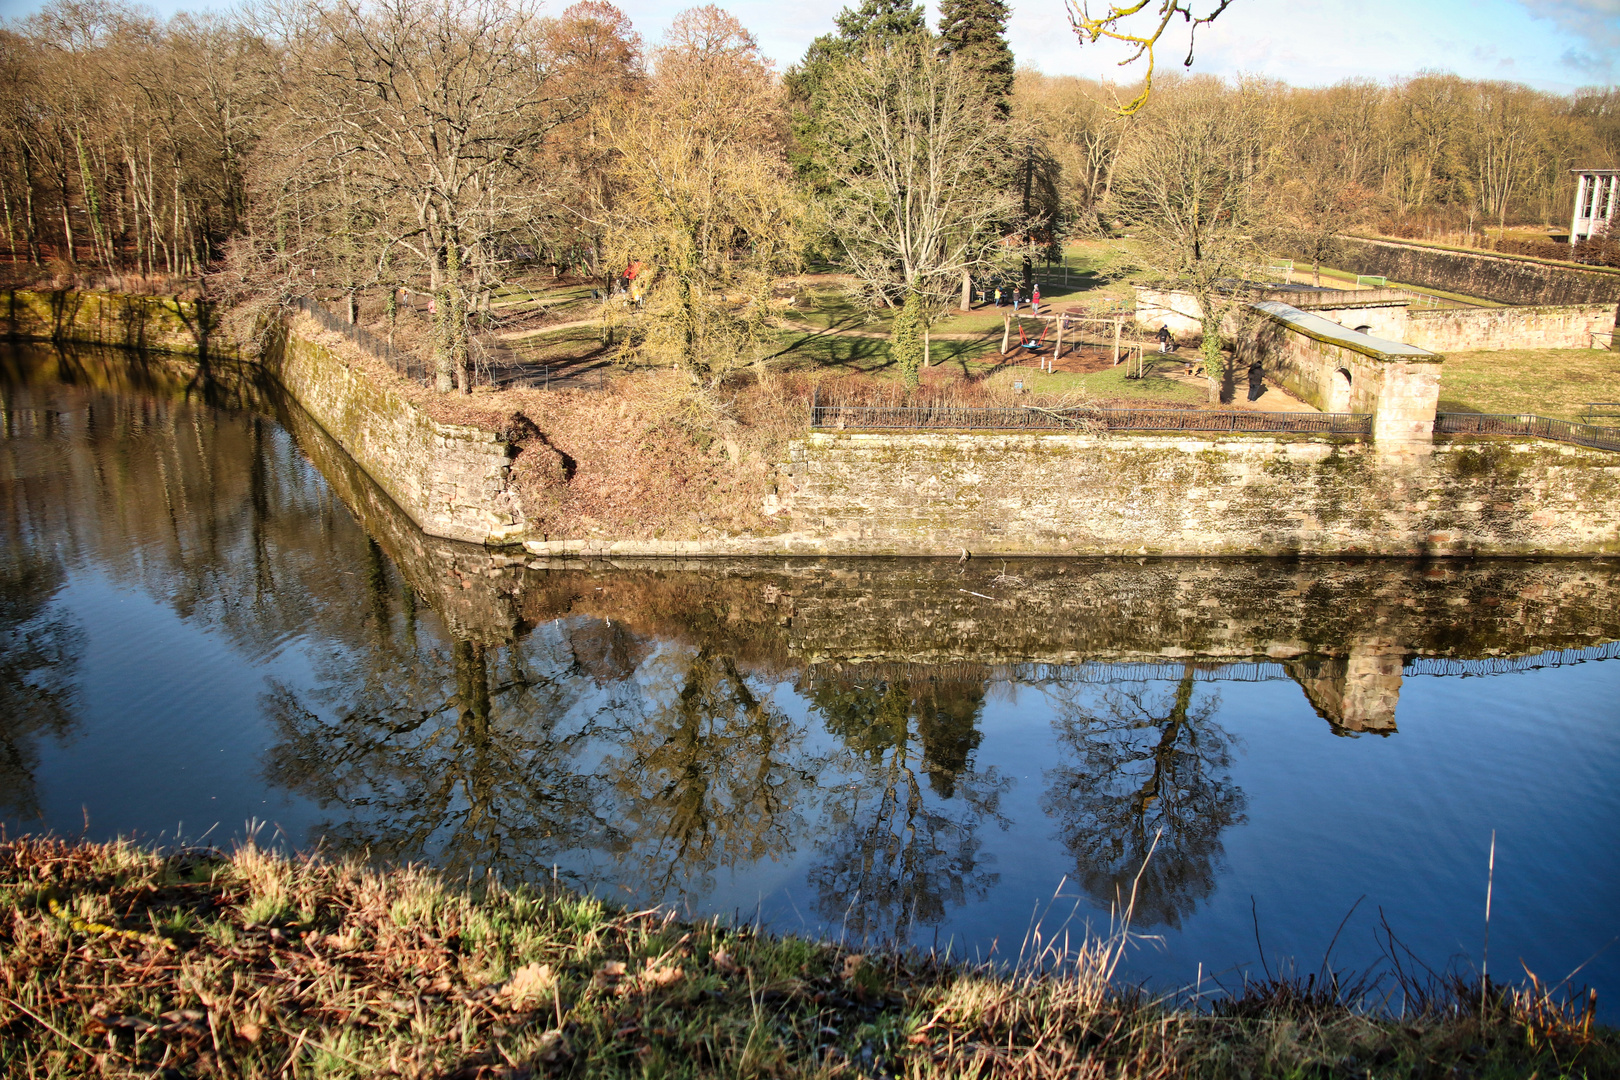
(443, 148)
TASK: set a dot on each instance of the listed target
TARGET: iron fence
(1202, 669)
(1032, 418)
(1540, 427)
(402, 361)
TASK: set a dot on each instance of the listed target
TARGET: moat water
(211, 624)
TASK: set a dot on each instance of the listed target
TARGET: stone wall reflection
(654, 726)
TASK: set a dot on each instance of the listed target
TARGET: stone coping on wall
(1330, 332)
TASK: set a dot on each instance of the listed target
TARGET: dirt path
(514, 335)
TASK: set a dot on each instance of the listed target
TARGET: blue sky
(1551, 44)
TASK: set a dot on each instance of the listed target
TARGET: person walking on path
(1035, 298)
(998, 296)
(1015, 299)
(1164, 339)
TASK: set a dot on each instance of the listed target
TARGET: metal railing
(402, 361)
(1539, 427)
(1203, 669)
(1030, 418)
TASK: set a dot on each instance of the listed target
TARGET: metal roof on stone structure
(1315, 326)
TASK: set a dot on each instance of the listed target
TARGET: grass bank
(117, 961)
(1545, 382)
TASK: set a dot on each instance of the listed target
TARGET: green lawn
(1545, 382)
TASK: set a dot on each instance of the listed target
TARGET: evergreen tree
(976, 30)
(873, 20)
(882, 19)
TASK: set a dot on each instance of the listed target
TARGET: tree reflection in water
(467, 755)
(1144, 765)
(896, 856)
(707, 773)
(39, 661)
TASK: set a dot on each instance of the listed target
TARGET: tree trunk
(442, 370)
(967, 291)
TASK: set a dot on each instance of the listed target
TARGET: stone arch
(1338, 391)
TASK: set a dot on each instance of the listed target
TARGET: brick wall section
(1469, 329)
(1505, 279)
(452, 480)
(934, 494)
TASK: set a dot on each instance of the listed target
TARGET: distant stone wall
(1468, 329)
(453, 480)
(138, 322)
(1502, 278)
(1081, 494)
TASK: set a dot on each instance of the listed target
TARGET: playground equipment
(1076, 325)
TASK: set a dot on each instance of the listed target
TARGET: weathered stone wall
(1340, 370)
(934, 494)
(1179, 311)
(1505, 279)
(138, 322)
(1466, 329)
(453, 480)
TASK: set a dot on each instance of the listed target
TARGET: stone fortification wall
(1505, 279)
(1467, 329)
(1339, 370)
(138, 322)
(1179, 311)
(1381, 311)
(452, 480)
(933, 494)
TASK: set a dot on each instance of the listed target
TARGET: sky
(1557, 45)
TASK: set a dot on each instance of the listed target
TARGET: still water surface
(210, 622)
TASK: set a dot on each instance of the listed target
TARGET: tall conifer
(976, 30)
(858, 26)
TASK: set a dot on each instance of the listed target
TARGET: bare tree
(920, 162)
(409, 136)
(1191, 185)
(703, 200)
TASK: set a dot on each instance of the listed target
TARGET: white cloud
(1598, 21)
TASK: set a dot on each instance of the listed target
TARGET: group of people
(1002, 294)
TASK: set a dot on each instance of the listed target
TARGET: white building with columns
(1597, 203)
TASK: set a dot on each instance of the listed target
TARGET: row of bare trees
(425, 148)
(126, 142)
(1432, 154)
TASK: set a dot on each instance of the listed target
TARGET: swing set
(1074, 324)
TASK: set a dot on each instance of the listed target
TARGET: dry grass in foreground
(117, 961)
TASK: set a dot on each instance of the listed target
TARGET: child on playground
(998, 296)
(1016, 299)
(1035, 300)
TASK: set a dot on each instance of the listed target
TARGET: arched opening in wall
(1339, 396)
(1362, 329)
